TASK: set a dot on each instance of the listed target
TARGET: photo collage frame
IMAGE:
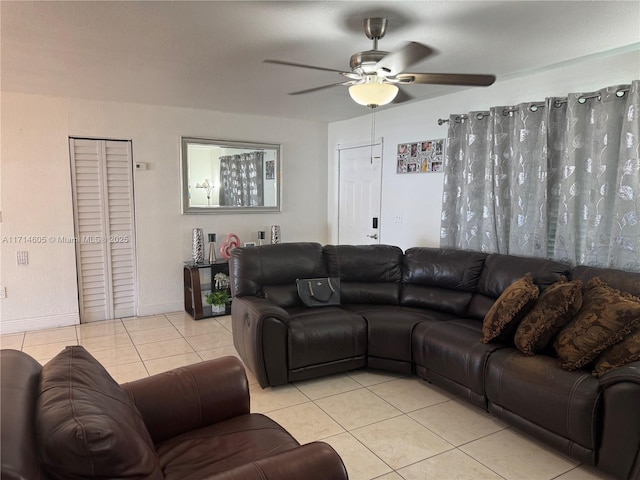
(420, 157)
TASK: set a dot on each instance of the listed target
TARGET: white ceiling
(209, 54)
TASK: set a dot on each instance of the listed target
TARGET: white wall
(418, 197)
(35, 188)
(36, 196)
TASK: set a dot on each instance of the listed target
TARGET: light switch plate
(23, 257)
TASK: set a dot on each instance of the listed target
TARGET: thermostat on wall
(141, 166)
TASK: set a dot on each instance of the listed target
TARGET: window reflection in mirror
(220, 176)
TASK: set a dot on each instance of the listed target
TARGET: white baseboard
(145, 310)
(39, 323)
(53, 321)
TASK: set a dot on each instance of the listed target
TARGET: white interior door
(360, 185)
(102, 179)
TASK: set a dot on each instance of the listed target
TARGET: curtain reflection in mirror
(241, 180)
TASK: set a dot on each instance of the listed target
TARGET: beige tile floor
(384, 426)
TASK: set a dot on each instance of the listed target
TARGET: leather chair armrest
(620, 436)
(260, 325)
(190, 397)
(259, 308)
(627, 373)
(313, 461)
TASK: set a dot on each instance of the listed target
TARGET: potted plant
(218, 300)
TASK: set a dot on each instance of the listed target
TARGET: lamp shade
(373, 94)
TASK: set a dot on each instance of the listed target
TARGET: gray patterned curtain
(241, 180)
(559, 179)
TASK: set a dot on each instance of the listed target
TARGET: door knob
(374, 236)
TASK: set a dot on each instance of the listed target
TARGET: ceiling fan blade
(446, 79)
(398, 60)
(315, 89)
(301, 65)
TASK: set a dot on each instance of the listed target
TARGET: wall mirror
(221, 176)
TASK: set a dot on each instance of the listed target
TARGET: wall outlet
(3, 292)
(398, 218)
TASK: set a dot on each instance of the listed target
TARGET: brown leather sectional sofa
(70, 420)
(421, 312)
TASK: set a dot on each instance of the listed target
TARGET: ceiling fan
(375, 74)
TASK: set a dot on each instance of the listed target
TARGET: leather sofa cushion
(369, 293)
(251, 269)
(453, 349)
(503, 317)
(20, 387)
(285, 296)
(368, 273)
(218, 448)
(440, 279)
(624, 281)
(327, 334)
(364, 263)
(434, 298)
(479, 306)
(500, 271)
(555, 307)
(390, 328)
(443, 268)
(606, 317)
(538, 390)
(87, 425)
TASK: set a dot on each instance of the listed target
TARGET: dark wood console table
(193, 288)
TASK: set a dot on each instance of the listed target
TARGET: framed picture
(420, 157)
(270, 173)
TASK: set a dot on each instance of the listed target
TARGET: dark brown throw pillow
(87, 426)
(554, 309)
(625, 351)
(607, 315)
(507, 311)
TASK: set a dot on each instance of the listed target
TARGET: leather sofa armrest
(620, 436)
(627, 373)
(260, 326)
(260, 308)
(190, 397)
(313, 461)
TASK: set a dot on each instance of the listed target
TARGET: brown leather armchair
(197, 420)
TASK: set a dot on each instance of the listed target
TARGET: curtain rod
(534, 106)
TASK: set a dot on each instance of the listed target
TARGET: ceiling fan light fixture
(373, 94)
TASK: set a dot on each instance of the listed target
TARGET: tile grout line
(368, 449)
(349, 431)
(144, 365)
(184, 338)
(481, 463)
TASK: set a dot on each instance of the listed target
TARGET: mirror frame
(187, 208)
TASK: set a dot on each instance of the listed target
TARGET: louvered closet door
(104, 225)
